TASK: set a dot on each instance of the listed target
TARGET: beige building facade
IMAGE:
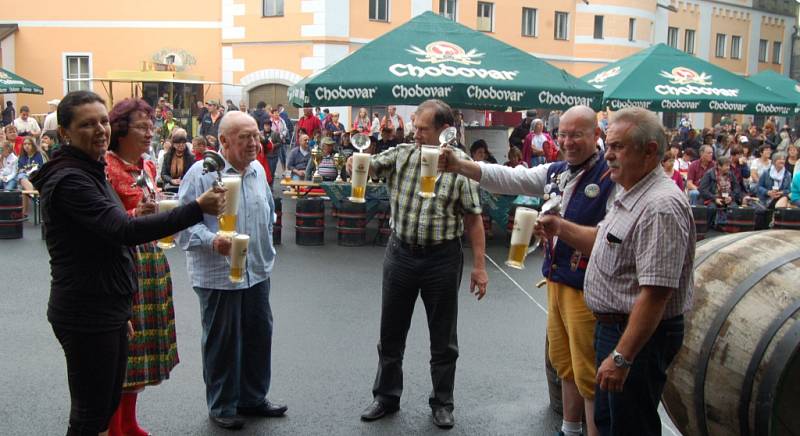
(257, 48)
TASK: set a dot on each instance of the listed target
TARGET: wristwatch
(619, 360)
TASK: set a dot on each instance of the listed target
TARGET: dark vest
(564, 265)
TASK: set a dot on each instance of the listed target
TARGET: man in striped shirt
(424, 258)
(639, 277)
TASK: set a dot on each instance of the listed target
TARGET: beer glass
(227, 221)
(238, 257)
(359, 177)
(429, 162)
(166, 202)
(524, 219)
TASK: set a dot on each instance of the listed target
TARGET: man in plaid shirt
(424, 258)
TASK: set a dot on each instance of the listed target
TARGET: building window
(598, 27)
(632, 29)
(720, 51)
(562, 26)
(447, 9)
(672, 37)
(776, 52)
(485, 16)
(736, 47)
(688, 41)
(762, 50)
(379, 10)
(273, 8)
(529, 22)
(77, 71)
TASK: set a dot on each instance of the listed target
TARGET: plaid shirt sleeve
(658, 236)
(382, 164)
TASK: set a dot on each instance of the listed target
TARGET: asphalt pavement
(326, 306)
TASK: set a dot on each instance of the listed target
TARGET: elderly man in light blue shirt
(236, 317)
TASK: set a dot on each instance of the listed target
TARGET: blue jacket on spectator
(765, 185)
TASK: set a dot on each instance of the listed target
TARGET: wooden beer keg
(310, 222)
(351, 225)
(738, 372)
(277, 228)
(11, 217)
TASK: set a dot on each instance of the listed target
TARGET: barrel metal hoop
(772, 377)
(699, 261)
(713, 331)
(758, 353)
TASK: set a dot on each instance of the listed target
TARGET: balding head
(239, 137)
(578, 133)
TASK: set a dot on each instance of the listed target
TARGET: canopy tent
(664, 79)
(777, 83)
(10, 83)
(433, 57)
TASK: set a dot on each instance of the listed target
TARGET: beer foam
(233, 184)
(239, 250)
(167, 205)
(524, 219)
(429, 161)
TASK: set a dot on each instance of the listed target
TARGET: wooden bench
(34, 196)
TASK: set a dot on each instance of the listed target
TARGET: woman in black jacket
(177, 161)
(89, 237)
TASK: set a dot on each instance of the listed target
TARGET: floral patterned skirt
(153, 351)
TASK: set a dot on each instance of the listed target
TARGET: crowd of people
(618, 256)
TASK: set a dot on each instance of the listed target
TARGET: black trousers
(96, 364)
(434, 273)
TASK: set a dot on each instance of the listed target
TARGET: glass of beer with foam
(524, 219)
(238, 257)
(227, 221)
(359, 177)
(429, 162)
(166, 202)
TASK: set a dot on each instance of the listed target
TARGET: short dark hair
(261, 105)
(65, 111)
(477, 145)
(24, 109)
(120, 116)
(442, 115)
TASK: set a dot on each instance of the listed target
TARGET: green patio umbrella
(433, 57)
(664, 79)
(777, 83)
(10, 83)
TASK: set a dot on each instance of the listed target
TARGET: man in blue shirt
(236, 317)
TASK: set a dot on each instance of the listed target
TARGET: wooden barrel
(310, 222)
(740, 219)
(700, 214)
(553, 382)
(351, 225)
(738, 371)
(787, 218)
(278, 226)
(11, 217)
(384, 230)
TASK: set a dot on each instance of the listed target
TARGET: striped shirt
(424, 221)
(647, 239)
(255, 217)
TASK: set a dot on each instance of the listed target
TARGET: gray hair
(645, 127)
(535, 122)
(704, 148)
(778, 155)
(177, 132)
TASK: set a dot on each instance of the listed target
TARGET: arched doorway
(271, 93)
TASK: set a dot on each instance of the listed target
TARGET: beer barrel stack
(11, 216)
(310, 222)
(351, 225)
(700, 214)
(738, 372)
(786, 218)
(740, 219)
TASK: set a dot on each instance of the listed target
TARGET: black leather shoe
(443, 418)
(268, 410)
(377, 410)
(228, 422)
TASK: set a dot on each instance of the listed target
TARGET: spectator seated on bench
(8, 174)
(774, 183)
(719, 189)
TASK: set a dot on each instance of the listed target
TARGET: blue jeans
(9, 185)
(634, 411)
(236, 346)
(694, 194)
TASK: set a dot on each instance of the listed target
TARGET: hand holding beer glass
(429, 163)
(166, 202)
(360, 168)
(227, 221)
(238, 260)
(524, 220)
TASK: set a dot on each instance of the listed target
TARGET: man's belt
(423, 249)
(611, 318)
